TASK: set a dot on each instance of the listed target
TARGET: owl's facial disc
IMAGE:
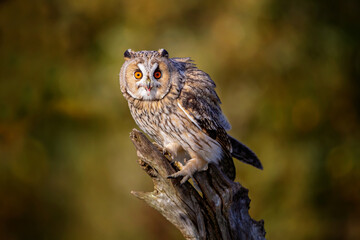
(149, 79)
(146, 78)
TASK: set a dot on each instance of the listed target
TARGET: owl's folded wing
(201, 104)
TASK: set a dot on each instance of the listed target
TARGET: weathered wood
(218, 211)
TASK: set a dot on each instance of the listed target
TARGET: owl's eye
(157, 74)
(138, 74)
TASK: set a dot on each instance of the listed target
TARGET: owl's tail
(244, 154)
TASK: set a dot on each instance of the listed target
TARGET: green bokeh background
(287, 72)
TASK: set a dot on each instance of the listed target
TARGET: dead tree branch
(219, 211)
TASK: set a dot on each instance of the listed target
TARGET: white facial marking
(143, 70)
(142, 82)
(154, 67)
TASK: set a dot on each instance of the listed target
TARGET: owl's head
(146, 75)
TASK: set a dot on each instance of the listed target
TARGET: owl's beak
(148, 84)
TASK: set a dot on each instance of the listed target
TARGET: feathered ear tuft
(127, 54)
(163, 53)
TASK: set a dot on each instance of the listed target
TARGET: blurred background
(287, 72)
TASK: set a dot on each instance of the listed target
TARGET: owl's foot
(191, 166)
(173, 149)
(163, 151)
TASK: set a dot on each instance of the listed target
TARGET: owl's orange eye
(138, 74)
(157, 74)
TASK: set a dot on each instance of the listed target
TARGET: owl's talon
(170, 177)
(164, 152)
(187, 170)
(180, 174)
(185, 178)
(179, 165)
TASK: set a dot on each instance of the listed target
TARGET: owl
(175, 103)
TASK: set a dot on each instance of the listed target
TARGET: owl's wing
(201, 104)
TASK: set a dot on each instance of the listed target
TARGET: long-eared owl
(175, 103)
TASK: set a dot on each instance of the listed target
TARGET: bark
(219, 209)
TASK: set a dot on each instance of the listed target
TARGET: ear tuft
(127, 54)
(163, 53)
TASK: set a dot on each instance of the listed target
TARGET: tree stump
(219, 210)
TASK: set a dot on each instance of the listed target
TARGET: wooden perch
(219, 211)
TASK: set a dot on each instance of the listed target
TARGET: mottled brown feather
(183, 108)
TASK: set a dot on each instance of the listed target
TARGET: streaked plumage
(175, 103)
